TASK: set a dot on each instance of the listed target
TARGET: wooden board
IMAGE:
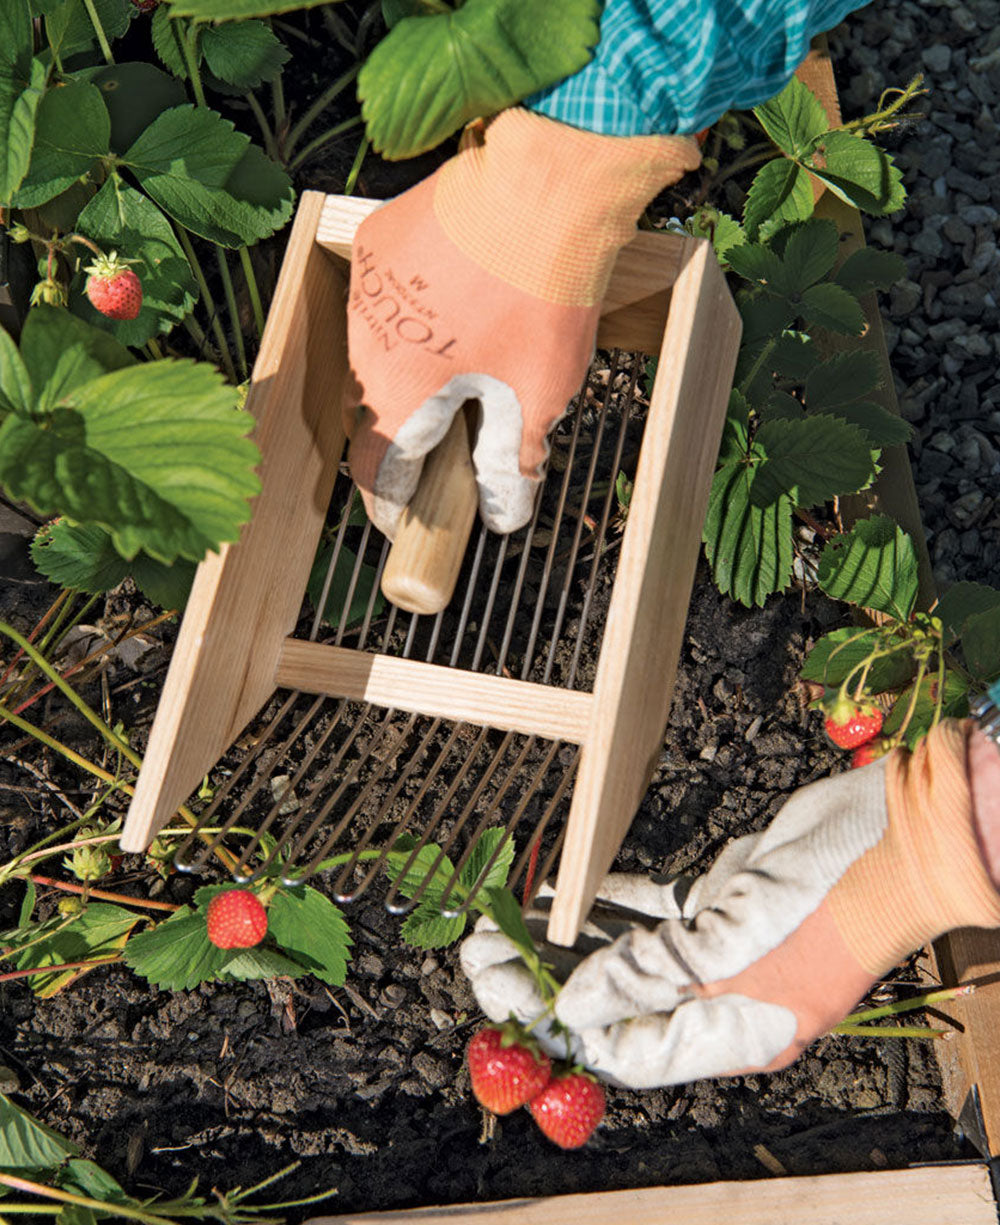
(969, 955)
(928, 1195)
(247, 597)
(642, 638)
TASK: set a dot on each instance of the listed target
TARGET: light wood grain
(247, 597)
(634, 310)
(934, 1195)
(433, 689)
(652, 589)
(422, 568)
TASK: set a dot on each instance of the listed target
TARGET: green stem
(888, 1031)
(278, 102)
(941, 678)
(95, 21)
(359, 157)
(103, 895)
(927, 1000)
(314, 145)
(208, 302)
(253, 290)
(234, 312)
(155, 349)
(10, 975)
(82, 1201)
(194, 330)
(189, 43)
(298, 129)
(270, 144)
(912, 706)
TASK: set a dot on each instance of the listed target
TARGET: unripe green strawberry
(236, 919)
(113, 288)
(507, 1068)
(88, 862)
(569, 1108)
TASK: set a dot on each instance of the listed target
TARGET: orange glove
(484, 282)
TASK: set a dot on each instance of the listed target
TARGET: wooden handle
(423, 564)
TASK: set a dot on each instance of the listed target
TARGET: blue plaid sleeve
(665, 66)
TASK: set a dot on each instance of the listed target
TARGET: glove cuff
(546, 207)
(927, 874)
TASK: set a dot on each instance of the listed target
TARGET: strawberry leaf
(841, 379)
(16, 395)
(811, 460)
(26, 1144)
(61, 352)
(167, 36)
(208, 176)
(723, 231)
(340, 586)
(505, 911)
(69, 29)
(780, 193)
(981, 644)
(869, 269)
(235, 10)
(154, 453)
(312, 930)
(954, 704)
(874, 566)
(881, 426)
(828, 306)
(964, 600)
(428, 928)
(809, 253)
(177, 953)
(19, 102)
(794, 119)
(838, 653)
(261, 962)
(431, 74)
(482, 853)
(99, 930)
(121, 219)
(244, 55)
(72, 130)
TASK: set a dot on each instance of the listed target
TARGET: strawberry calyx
(108, 265)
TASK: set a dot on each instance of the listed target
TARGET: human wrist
(546, 207)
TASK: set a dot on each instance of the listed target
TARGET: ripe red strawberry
(113, 288)
(236, 919)
(506, 1067)
(145, 6)
(849, 724)
(865, 754)
(568, 1109)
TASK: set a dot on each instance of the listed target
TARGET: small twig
(57, 969)
(104, 895)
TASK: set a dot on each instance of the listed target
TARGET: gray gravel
(942, 321)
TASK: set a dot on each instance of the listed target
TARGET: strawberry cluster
(509, 1069)
(855, 725)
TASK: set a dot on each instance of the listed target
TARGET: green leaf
(312, 930)
(811, 460)
(828, 306)
(340, 585)
(27, 1144)
(210, 178)
(881, 426)
(780, 193)
(88, 1178)
(19, 102)
(810, 251)
(859, 172)
(134, 94)
(176, 954)
(486, 844)
(423, 865)
(954, 704)
(72, 130)
(167, 35)
(98, 931)
(505, 910)
(69, 29)
(61, 353)
(236, 10)
(121, 219)
(166, 586)
(794, 119)
(964, 600)
(874, 566)
(16, 39)
(154, 453)
(758, 264)
(261, 962)
(842, 378)
(839, 653)
(748, 546)
(868, 269)
(76, 1214)
(723, 231)
(244, 54)
(981, 644)
(16, 393)
(794, 356)
(79, 556)
(428, 928)
(429, 75)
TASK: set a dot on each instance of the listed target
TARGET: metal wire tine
(550, 809)
(470, 590)
(384, 807)
(484, 822)
(487, 613)
(602, 530)
(515, 599)
(529, 652)
(580, 520)
(331, 567)
(467, 811)
(275, 810)
(206, 817)
(391, 904)
(542, 875)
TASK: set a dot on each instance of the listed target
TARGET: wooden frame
(667, 296)
(927, 1195)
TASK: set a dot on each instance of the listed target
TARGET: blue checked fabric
(675, 66)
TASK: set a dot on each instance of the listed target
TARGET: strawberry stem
(103, 895)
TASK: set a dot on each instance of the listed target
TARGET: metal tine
(391, 904)
(331, 567)
(568, 775)
(603, 526)
(581, 513)
(470, 590)
(543, 872)
(509, 828)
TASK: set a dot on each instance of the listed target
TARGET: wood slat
(246, 598)
(931, 1195)
(642, 638)
(435, 690)
(634, 311)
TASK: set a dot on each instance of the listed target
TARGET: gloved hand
(484, 282)
(783, 935)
